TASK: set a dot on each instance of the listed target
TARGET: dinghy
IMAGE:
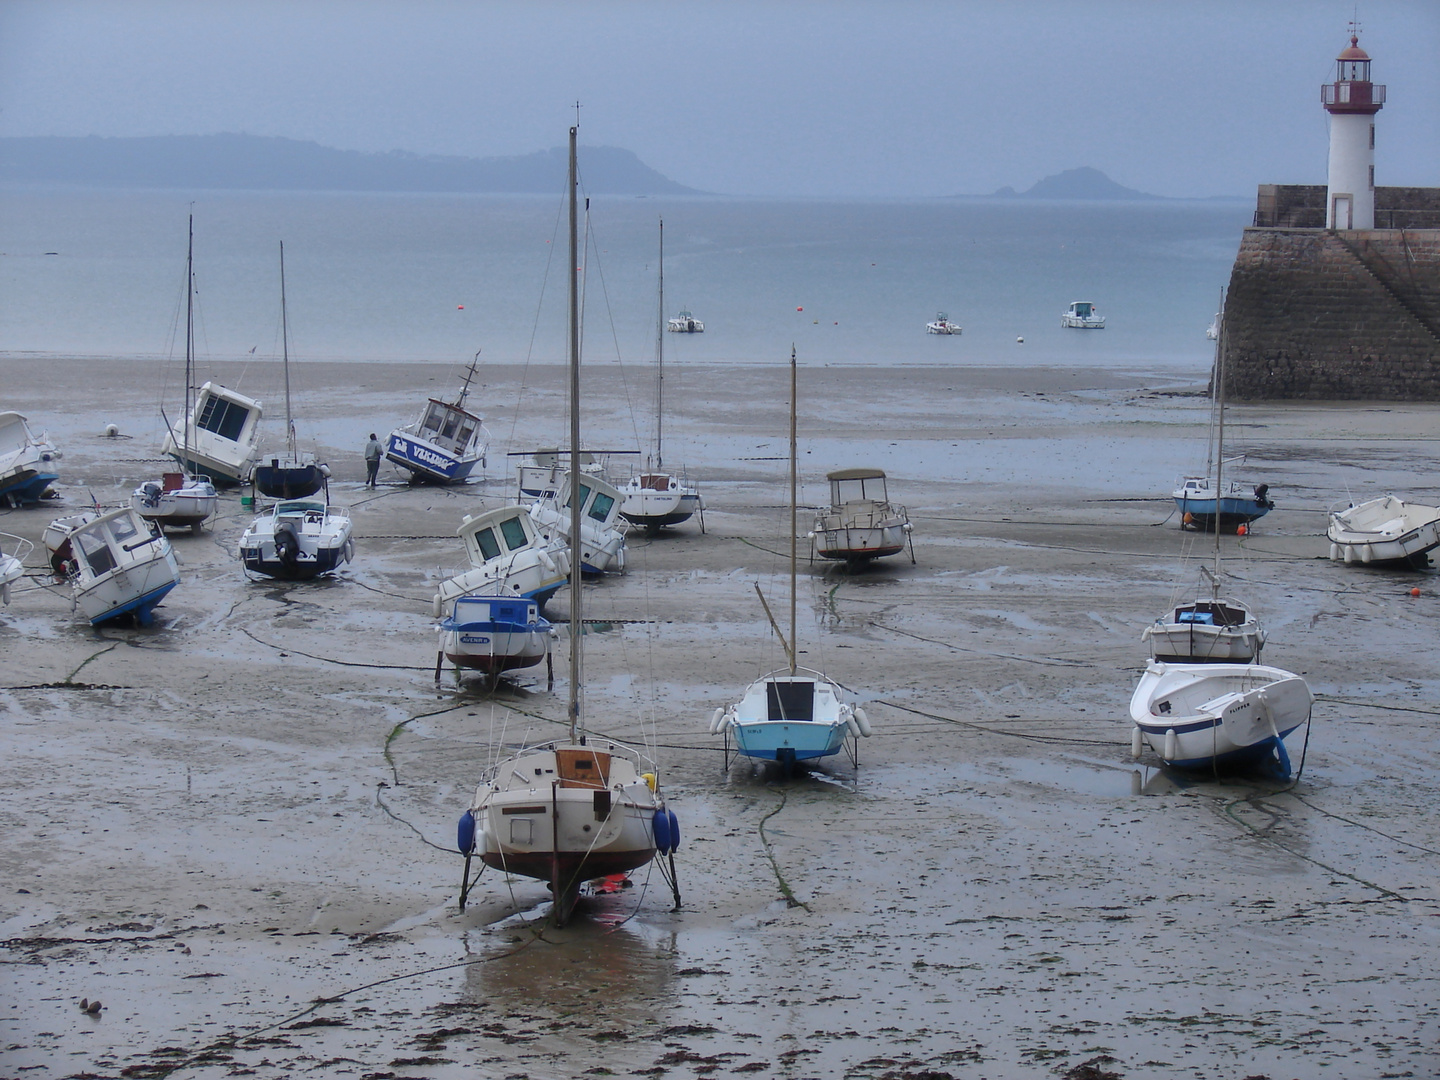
(26, 462)
(507, 558)
(1387, 531)
(297, 541)
(861, 523)
(115, 562)
(1204, 716)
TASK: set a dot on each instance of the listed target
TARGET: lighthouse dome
(1354, 52)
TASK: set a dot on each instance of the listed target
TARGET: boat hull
(1206, 632)
(427, 463)
(659, 509)
(788, 718)
(288, 481)
(494, 634)
(1200, 514)
(1384, 532)
(860, 544)
(26, 486)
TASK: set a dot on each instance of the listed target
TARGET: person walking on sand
(372, 460)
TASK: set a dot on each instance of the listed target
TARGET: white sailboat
(297, 475)
(793, 714)
(655, 499)
(181, 499)
(570, 811)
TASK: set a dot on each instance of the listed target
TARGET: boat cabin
(448, 426)
(225, 413)
(598, 500)
(109, 542)
(1083, 309)
(496, 532)
(848, 486)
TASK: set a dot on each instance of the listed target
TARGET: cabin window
(434, 418)
(224, 418)
(514, 533)
(790, 700)
(600, 508)
(584, 494)
(486, 542)
(123, 529)
(451, 422)
(95, 548)
(466, 432)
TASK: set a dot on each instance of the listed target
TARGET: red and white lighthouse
(1352, 101)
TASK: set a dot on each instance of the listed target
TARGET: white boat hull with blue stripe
(789, 717)
(495, 633)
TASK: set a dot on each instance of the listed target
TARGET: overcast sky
(894, 98)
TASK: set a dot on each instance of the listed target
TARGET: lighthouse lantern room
(1352, 101)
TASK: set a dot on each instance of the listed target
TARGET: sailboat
(1211, 629)
(181, 499)
(793, 714)
(570, 811)
(654, 498)
(445, 443)
(296, 475)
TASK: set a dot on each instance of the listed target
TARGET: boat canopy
(855, 485)
(503, 530)
(1083, 308)
(448, 425)
(13, 432)
(223, 412)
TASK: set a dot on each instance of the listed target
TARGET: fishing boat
(1211, 629)
(12, 562)
(297, 540)
(445, 443)
(26, 462)
(179, 499)
(655, 499)
(1386, 532)
(602, 539)
(792, 714)
(296, 475)
(218, 438)
(573, 810)
(493, 634)
(860, 523)
(1214, 716)
(507, 558)
(1210, 502)
(685, 323)
(942, 325)
(1081, 315)
(116, 563)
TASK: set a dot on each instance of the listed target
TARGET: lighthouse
(1352, 101)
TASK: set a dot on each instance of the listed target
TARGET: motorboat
(12, 562)
(1213, 716)
(27, 466)
(1081, 315)
(942, 325)
(218, 438)
(296, 475)
(539, 478)
(602, 538)
(794, 714)
(1238, 503)
(297, 540)
(569, 811)
(494, 634)
(860, 523)
(508, 557)
(685, 323)
(445, 443)
(116, 563)
(1209, 630)
(1387, 531)
(654, 499)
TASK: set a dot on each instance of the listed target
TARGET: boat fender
(1137, 742)
(349, 550)
(863, 721)
(465, 833)
(545, 560)
(325, 470)
(853, 725)
(650, 780)
(661, 825)
(1349, 554)
(1172, 745)
(1367, 553)
(674, 831)
(436, 605)
(1334, 552)
(5, 593)
(715, 720)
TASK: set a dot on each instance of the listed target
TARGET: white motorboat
(1387, 531)
(12, 562)
(26, 462)
(297, 540)
(653, 498)
(1081, 315)
(507, 558)
(115, 562)
(1212, 716)
(218, 438)
(445, 443)
(860, 523)
(493, 634)
(685, 323)
(602, 538)
(942, 325)
(570, 811)
(794, 714)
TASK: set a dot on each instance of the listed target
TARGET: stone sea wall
(1337, 316)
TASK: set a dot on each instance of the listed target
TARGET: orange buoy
(799, 309)
(459, 307)
(1415, 591)
(1189, 518)
(1241, 530)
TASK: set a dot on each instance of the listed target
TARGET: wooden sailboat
(654, 498)
(296, 475)
(794, 714)
(570, 811)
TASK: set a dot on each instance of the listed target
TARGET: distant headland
(1083, 183)
(258, 162)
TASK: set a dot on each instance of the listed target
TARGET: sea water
(402, 277)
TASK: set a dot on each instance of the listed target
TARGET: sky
(776, 98)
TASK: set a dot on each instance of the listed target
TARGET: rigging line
(614, 335)
(1046, 661)
(331, 660)
(996, 731)
(1367, 828)
(396, 817)
(1373, 705)
(535, 324)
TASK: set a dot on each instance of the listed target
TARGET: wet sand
(233, 828)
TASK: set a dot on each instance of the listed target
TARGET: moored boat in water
(1081, 315)
(943, 325)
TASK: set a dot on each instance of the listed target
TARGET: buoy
(1415, 591)
(661, 825)
(111, 431)
(1020, 341)
(459, 307)
(1172, 745)
(715, 718)
(863, 721)
(1189, 518)
(1241, 530)
(1137, 742)
(649, 778)
(465, 833)
(674, 832)
(799, 309)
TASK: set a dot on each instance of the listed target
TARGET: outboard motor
(1261, 490)
(151, 498)
(287, 545)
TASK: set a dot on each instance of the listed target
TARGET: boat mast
(465, 386)
(189, 420)
(285, 355)
(660, 356)
(575, 559)
(794, 642)
(1219, 435)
